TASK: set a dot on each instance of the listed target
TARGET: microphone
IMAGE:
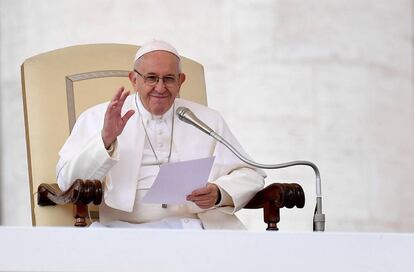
(187, 116)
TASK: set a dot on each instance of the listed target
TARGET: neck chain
(148, 138)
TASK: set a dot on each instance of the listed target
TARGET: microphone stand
(318, 217)
(189, 117)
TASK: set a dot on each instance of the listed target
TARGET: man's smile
(160, 96)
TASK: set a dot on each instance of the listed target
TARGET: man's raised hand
(114, 123)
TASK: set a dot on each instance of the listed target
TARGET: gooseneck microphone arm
(186, 115)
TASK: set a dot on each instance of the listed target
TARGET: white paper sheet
(177, 180)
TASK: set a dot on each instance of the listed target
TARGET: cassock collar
(148, 116)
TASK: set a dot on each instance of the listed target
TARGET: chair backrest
(57, 86)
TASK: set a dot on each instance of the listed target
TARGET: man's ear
(133, 79)
(181, 79)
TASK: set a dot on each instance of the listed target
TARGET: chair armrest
(276, 196)
(80, 194)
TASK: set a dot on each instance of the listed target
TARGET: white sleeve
(91, 162)
(239, 186)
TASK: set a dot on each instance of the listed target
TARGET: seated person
(124, 141)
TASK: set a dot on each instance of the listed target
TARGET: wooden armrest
(81, 193)
(274, 197)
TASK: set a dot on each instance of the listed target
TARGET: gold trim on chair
(85, 76)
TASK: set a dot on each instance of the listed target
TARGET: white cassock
(129, 173)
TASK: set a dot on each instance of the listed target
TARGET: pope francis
(123, 143)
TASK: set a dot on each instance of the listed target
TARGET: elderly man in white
(124, 141)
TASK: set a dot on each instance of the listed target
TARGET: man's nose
(160, 86)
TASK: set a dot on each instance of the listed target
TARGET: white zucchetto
(155, 45)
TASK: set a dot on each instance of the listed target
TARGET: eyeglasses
(152, 80)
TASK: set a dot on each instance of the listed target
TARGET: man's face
(157, 97)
